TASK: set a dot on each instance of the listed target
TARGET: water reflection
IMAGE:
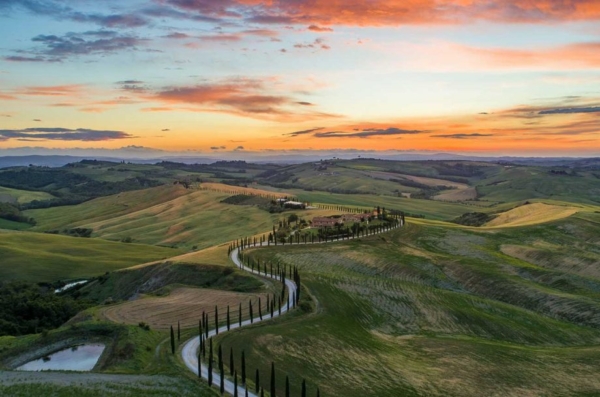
(76, 358)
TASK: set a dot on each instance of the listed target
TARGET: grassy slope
(45, 257)
(525, 183)
(22, 196)
(167, 215)
(431, 310)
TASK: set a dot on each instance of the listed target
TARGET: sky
(488, 77)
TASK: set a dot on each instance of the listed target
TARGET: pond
(68, 286)
(76, 358)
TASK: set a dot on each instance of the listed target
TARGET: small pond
(69, 286)
(76, 358)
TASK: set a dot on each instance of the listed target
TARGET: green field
(166, 215)
(22, 196)
(45, 257)
(510, 308)
(430, 310)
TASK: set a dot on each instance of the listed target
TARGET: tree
(303, 388)
(220, 357)
(240, 315)
(259, 309)
(228, 319)
(178, 332)
(251, 314)
(243, 367)
(257, 380)
(210, 364)
(172, 341)
(272, 379)
(287, 386)
(318, 392)
(216, 320)
(235, 387)
(231, 362)
(199, 364)
(222, 383)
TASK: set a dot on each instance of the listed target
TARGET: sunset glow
(481, 77)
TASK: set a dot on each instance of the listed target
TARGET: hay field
(466, 194)
(532, 214)
(231, 190)
(182, 304)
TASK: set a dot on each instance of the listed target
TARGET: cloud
(390, 12)
(80, 44)
(221, 147)
(304, 132)
(63, 134)
(53, 90)
(594, 109)
(316, 28)
(165, 129)
(367, 133)
(256, 98)
(38, 120)
(53, 48)
(461, 136)
(238, 148)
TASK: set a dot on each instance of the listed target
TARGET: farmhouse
(324, 222)
(356, 218)
(294, 204)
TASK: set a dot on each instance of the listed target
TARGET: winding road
(189, 351)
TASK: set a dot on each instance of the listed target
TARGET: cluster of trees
(68, 187)
(12, 212)
(27, 308)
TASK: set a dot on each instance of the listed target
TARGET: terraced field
(436, 311)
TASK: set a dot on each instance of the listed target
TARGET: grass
(11, 225)
(45, 257)
(532, 214)
(432, 310)
(167, 215)
(22, 196)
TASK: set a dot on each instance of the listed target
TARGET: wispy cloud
(461, 136)
(367, 133)
(62, 134)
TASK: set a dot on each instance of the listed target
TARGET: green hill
(45, 257)
(442, 311)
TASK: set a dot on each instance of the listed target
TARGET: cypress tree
(259, 309)
(235, 388)
(318, 392)
(246, 391)
(216, 320)
(251, 314)
(303, 388)
(240, 315)
(199, 364)
(220, 357)
(206, 328)
(272, 379)
(178, 332)
(172, 341)
(243, 367)
(228, 319)
(257, 381)
(210, 364)
(262, 392)
(231, 363)
(222, 383)
(272, 308)
(287, 386)
(268, 302)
